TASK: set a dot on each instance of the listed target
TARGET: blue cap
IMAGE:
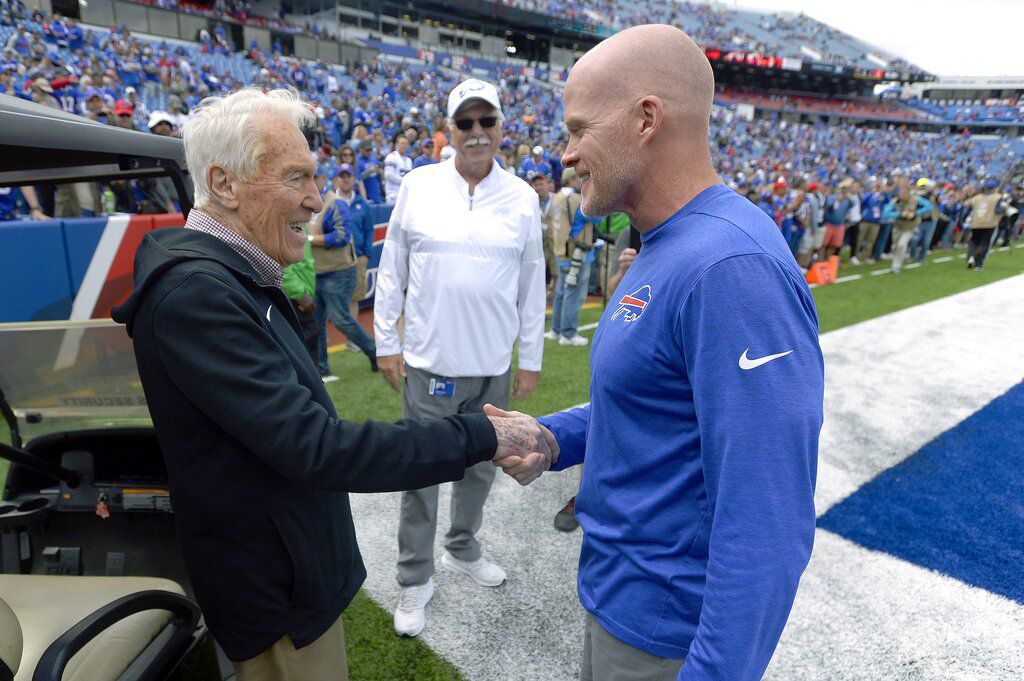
(93, 92)
(344, 168)
(990, 184)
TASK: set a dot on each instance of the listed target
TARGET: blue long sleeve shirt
(337, 224)
(836, 210)
(361, 225)
(872, 205)
(700, 442)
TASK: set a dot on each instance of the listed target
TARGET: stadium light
(511, 49)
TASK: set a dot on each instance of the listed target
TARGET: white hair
(225, 131)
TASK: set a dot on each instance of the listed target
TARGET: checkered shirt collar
(270, 271)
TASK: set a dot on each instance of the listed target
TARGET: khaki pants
(322, 660)
(360, 290)
(866, 242)
(606, 658)
(900, 245)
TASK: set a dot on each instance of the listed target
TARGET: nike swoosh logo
(268, 312)
(747, 364)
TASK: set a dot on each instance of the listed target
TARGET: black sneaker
(373, 364)
(565, 520)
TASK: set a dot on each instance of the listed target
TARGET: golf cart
(92, 586)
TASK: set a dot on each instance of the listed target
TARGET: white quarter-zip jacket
(468, 272)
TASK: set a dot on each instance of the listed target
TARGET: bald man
(701, 438)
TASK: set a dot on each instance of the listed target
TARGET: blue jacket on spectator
(366, 172)
(836, 210)
(360, 224)
(871, 206)
(337, 224)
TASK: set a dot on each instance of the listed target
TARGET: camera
(574, 269)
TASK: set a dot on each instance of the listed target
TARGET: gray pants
(418, 523)
(606, 658)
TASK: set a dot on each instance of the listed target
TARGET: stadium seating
(975, 111)
(776, 33)
(813, 103)
(384, 91)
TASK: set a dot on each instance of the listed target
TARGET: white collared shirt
(468, 271)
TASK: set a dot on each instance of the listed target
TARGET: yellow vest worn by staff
(563, 214)
(901, 224)
(983, 210)
(330, 259)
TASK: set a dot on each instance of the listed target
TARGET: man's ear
(223, 186)
(650, 110)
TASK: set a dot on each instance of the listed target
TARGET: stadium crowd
(384, 118)
(715, 25)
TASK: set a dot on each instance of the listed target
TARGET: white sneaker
(330, 378)
(854, 261)
(577, 340)
(410, 615)
(483, 571)
(552, 335)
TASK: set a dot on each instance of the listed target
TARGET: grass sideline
(374, 652)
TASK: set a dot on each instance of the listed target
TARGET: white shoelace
(410, 599)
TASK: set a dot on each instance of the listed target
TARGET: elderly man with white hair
(463, 260)
(260, 464)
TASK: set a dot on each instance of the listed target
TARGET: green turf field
(374, 652)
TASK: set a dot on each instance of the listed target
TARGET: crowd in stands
(813, 103)
(757, 150)
(976, 111)
(899, 218)
(715, 25)
(365, 109)
(240, 11)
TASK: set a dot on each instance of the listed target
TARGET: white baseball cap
(538, 150)
(470, 90)
(158, 117)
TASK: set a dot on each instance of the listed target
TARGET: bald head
(652, 60)
(637, 108)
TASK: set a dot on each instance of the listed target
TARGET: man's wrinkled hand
(525, 448)
(392, 368)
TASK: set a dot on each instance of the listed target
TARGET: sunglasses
(467, 123)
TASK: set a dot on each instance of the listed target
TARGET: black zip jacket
(259, 462)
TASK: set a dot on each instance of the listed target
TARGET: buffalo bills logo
(632, 305)
(472, 86)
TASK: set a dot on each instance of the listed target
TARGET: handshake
(525, 448)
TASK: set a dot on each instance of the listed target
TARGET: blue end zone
(956, 506)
